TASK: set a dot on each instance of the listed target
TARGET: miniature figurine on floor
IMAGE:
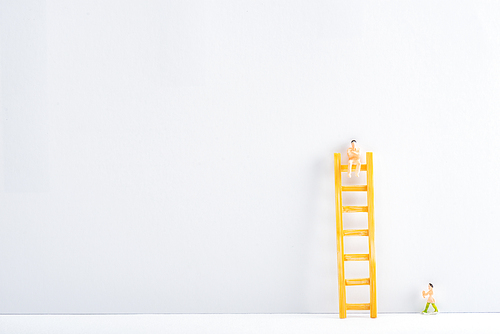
(353, 153)
(430, 300)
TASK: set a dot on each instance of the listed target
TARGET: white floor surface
(251, 323)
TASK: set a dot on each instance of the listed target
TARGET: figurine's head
(353, 143)
(431, 286)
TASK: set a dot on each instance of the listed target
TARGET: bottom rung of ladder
(353, 307)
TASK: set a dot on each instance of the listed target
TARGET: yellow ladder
(341, 233)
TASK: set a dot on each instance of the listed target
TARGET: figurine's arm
(354, 152)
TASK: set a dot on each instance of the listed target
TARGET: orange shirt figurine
(430, 300)
(353, 154)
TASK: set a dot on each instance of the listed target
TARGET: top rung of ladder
(345, 168)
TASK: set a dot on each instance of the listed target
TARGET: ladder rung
(355, 208)
(357, 306)
(344, 168)
(355, 188)
(361, 233)
(357, 281)
(356, 257)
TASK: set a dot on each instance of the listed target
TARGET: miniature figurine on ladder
(354, 156)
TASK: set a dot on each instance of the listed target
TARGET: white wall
(176, 157)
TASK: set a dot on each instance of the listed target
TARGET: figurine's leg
(435, 308)
(426, 308)
(349, 168)
(358, 168)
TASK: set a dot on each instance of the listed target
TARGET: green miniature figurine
(430, 300)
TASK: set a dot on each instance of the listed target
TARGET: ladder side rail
(340, 236)
(371, 234)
